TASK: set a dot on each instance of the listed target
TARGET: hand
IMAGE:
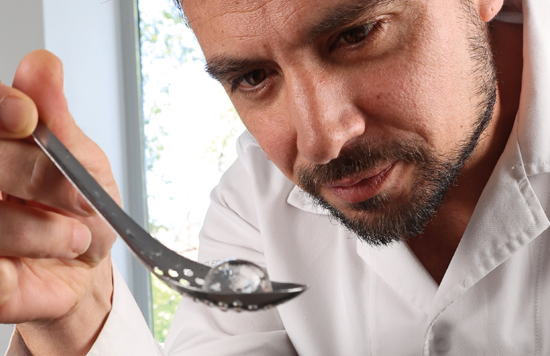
(55, 266)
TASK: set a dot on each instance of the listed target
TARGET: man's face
(372, 107)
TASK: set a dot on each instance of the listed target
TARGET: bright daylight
(191, 129)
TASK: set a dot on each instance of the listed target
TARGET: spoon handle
(147, 249)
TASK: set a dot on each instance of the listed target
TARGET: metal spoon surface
(179, 273)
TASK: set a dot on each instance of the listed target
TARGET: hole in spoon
(237, 303)
(158, 271)
(173, 273)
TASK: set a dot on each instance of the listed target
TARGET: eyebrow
(221, 66)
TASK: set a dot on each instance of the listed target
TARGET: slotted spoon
(179, 273)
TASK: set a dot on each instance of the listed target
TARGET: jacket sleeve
(125, 331)
(230, 230)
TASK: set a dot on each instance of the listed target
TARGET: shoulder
(247, 194)
(251, 177)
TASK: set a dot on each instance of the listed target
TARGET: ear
(488, 8)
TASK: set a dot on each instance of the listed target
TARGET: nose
(321, 109)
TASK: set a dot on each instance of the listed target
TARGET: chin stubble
(380, 221)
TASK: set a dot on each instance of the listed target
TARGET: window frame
(139, 279)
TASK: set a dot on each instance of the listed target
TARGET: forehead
(242, 23)
(244, 15)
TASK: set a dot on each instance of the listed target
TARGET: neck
(437, 245)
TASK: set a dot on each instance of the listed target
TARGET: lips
(357, 189)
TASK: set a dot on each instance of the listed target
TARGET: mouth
(360, 188)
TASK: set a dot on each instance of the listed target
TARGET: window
(190, 131)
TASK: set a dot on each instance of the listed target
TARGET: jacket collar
(506, 218)
(298, 198)
(533, 120)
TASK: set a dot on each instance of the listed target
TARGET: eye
(249, 80)
(355, 35)
(254, 78)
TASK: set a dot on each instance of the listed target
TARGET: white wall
(85, 35)
(21, 31)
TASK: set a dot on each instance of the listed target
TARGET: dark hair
(180, 13)
(177, 4)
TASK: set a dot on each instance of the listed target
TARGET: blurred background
(135, 82)
(190, 131)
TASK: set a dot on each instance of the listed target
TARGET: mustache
(358, 158)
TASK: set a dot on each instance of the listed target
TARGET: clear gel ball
(237, 276)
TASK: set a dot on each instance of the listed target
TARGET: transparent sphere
(237, 276)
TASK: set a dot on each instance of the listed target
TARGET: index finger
(40, 76)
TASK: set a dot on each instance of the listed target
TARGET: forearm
(76, 332)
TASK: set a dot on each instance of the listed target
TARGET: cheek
(423, 91)
(274, 135)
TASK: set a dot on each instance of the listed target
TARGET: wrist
(76, 331)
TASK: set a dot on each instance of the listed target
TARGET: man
(400, 124)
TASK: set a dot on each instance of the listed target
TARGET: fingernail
(12, 110)
(82, 238)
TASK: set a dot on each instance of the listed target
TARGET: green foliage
(162, 44)
(165, 303)
(222, 147)
(161, 39)
(167, 44)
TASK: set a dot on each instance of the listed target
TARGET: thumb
(40, 76)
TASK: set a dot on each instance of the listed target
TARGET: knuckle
(39, 171)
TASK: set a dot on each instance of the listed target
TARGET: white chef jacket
(493, 300)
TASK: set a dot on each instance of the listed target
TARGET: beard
(379, 221)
